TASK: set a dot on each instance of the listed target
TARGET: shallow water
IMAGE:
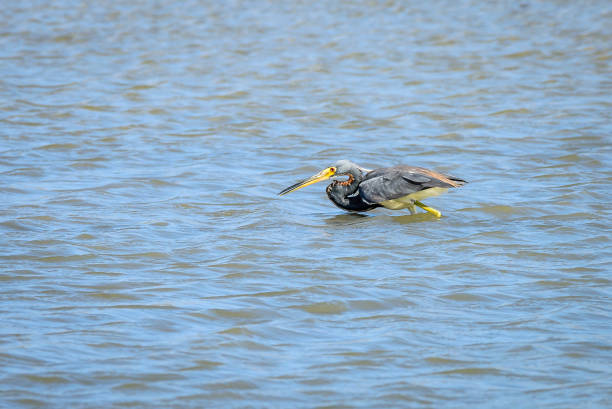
(147, 260)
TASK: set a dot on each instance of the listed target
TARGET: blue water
(148, 261)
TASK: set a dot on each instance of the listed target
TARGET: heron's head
(342, 167)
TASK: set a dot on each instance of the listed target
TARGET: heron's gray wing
(398, 181)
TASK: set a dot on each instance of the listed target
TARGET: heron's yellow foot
(427, 208)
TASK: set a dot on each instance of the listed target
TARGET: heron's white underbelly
(408, 200)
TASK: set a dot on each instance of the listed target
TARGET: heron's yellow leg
(427, 208)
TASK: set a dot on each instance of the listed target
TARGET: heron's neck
(349, 186)
(341, 193)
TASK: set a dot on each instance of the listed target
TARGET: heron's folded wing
(392, 183)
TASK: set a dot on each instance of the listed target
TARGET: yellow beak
(322, 175)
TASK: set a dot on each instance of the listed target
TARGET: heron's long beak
(322, 175)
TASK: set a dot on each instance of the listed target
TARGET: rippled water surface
(147, 261)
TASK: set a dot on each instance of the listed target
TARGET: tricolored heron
(397, 187)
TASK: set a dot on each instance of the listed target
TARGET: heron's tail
(457, 181)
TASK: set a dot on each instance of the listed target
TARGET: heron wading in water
(397, 187)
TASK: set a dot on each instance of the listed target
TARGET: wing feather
(398, 181)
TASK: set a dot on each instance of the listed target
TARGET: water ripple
(148, 259)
